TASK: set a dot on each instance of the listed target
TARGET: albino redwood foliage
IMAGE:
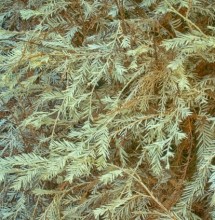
(107, 109)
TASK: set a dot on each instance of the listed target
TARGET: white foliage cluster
(102, 96)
